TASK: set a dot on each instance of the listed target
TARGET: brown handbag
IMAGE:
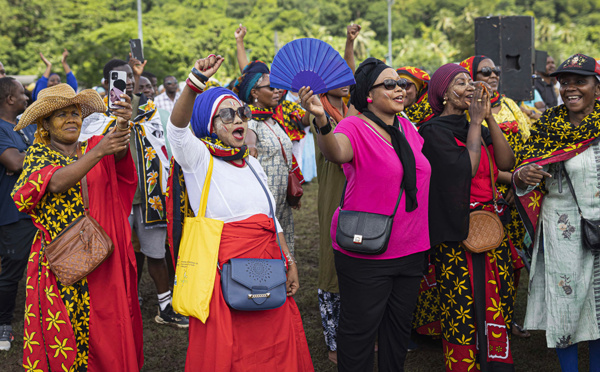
(486, 231)
(81, 247)
(294, 188)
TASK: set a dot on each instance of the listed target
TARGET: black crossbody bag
(364, 232)
(590, 229)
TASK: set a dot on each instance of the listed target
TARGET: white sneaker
(6, 337)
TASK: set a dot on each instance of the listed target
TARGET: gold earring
(444, 103)
(43, 132)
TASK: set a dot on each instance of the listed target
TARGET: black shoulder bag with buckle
(590, 229)
(364, 232)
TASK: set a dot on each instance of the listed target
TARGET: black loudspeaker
(540, 61)
(509, 42)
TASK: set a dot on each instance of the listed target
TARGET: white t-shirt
(235, 193)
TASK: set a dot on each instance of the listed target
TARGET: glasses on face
(265, 86)
(487, 71)
(391, 84)
(227, 115)
(170, 83)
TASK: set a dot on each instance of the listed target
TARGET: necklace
(62, 153)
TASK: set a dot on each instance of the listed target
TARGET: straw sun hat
(60, 96)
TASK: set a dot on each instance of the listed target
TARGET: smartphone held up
(117, 87)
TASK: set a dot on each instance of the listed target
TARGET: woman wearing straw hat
(72, 327)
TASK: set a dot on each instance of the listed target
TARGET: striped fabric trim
(596, 149)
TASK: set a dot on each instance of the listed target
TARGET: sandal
(518, 331)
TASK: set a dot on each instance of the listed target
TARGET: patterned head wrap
(205, 108)
(472, 63)
(416, 76)
(252, 72)
(439, 84)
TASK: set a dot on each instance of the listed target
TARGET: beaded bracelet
(192, 86)
(197, 83)
(199, 74)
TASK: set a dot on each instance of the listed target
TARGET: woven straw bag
(486, 231)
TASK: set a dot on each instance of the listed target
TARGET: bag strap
(494, 195)
(397, 202)
(205, 189)
(563, 169)
(84, 186)
(401, 188)
(280, 144)
(270, 207)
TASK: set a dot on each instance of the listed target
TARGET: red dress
(231, 340)
(96, 324)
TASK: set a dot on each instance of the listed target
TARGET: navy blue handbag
(252, 284)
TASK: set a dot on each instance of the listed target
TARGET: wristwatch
(323, 130)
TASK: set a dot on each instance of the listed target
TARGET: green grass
(165, 347)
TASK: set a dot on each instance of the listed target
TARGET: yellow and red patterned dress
(73, 328)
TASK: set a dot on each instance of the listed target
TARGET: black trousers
(15, 245)
(377, 297)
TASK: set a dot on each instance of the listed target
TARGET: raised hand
(48, 63)
(311, 102)
(240, 33)
(115, 141)
(352, 32)
(208, 66)
(65, 54)
(136, 66)
(480, 106)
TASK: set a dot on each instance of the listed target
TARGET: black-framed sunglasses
(390, 84)
(227, 115)
(487, 71)
(265, 86)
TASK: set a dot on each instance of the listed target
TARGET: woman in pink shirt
(381, 158)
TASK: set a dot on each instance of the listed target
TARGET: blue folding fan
(310, 62)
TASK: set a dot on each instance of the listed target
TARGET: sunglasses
(265, 86)
(487, 71)
(170, 83)
(227, 115)
(390, 84)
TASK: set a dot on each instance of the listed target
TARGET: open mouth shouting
(238, 133)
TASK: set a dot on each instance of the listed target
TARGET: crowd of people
(426, 151)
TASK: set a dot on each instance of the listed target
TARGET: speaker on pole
(509, 42)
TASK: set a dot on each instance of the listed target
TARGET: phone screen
(118, 86)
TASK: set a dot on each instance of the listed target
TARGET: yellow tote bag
(197, 260)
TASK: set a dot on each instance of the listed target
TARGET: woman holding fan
(377, 292)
